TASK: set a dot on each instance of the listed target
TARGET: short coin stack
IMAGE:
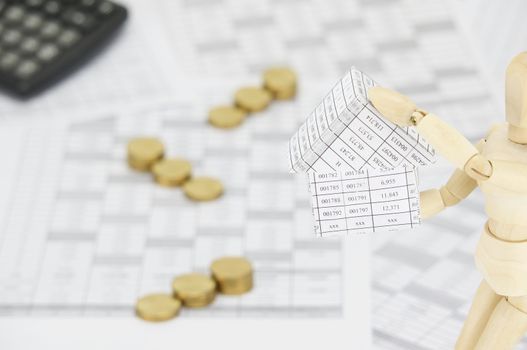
(147, 154)
(233, 275)
(194, 289)
(278, 83)
(229, 275)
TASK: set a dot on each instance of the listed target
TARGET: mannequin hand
(393, 106)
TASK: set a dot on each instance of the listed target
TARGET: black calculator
(43, 40)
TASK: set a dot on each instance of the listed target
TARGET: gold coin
(226, 117)
(143, 152)
(203, 188)
(252, 99)
(281, 82)
(234, 275)
(157, 307)
(194, 289)
(172, 172)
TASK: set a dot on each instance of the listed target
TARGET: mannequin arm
(447, 141)
(458, 187)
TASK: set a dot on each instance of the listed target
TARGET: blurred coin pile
(278, 83)
(229, 275)
(147, 154)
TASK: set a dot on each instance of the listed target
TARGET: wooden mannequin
(498, 165)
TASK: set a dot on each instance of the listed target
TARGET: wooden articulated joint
(505, 327)
(417, 116)
(478, 167)
(449, 199)
(520, 303)
(431, 203)
(502, 263)
(458, 187)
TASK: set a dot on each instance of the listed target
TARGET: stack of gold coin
(252, 99)
(144, 152)
(230, 276)
(233, 275)
(226, 117)
(157, 307)
(203, 188)
(194, 290)
(171, 172)
(281, 82)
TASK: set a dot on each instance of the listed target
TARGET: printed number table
(364, 201)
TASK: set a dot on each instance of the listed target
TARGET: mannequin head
(516, 98)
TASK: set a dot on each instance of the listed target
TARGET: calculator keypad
(36, 33)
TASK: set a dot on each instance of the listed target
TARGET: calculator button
(33, 22)
(89, 3)
(68, 37)
(34, 3)
(79, 19)
(48, 52)
(50, 29)
(8, 61)
(52, 8)
(106, 8)
(11, 37)
(27, 68)
(30, 45)
(14, 14)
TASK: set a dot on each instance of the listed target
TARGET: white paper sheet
(423, 279)
(83, 234)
